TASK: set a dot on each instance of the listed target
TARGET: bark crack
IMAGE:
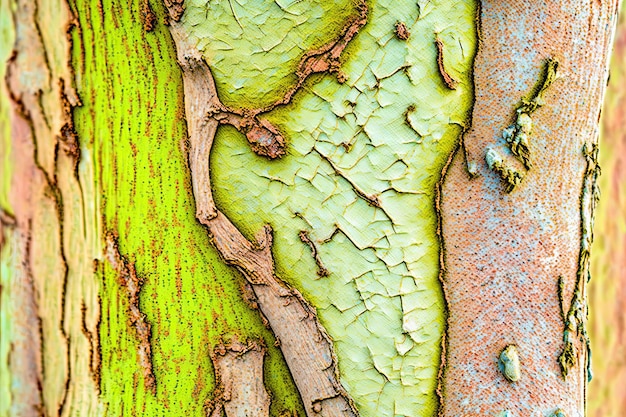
(576, 318)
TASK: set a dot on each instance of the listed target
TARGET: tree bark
(298, 208)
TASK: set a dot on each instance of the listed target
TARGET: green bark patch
(132, 119)
(254, 47)
(364, 155)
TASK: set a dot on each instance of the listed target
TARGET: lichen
(509, 363)
(507, 172)
(518, 134)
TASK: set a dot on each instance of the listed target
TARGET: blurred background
(607, 289)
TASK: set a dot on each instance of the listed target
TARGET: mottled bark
(504, 253)
(116, 300)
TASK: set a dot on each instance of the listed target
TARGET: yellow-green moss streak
(381, 303)
(133, 119)
(575, 328)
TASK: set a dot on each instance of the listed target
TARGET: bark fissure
(576, 318)
(132, 283)
(321, 269)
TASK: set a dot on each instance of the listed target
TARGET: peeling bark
(305, 345)
(239, 372)
(450, 82)
(132, 283)
(504, 252)
(47, 198)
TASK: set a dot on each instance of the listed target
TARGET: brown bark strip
(502, 251)
(450, 82)
(239, 373)
(132, 283)
(321, 269)
(306, 346)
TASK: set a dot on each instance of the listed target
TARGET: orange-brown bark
(503, 253)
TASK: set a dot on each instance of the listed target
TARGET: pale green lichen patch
(254, 48)
(509, 174)
(558, 413)
(361, 181)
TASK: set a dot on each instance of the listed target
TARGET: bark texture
(305, 344)
(239, 371)
(53, 361)
(239, 208)
(504, 253)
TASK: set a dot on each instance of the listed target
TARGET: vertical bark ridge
(49, 187)
(501, 285)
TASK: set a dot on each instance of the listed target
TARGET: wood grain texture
(51, 197)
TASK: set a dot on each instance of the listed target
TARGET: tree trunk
(357, 207)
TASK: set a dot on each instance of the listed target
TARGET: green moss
(132, 121)
(382, 303)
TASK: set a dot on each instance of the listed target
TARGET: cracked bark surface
(357, 212)
(305, 344)
(488, 255)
